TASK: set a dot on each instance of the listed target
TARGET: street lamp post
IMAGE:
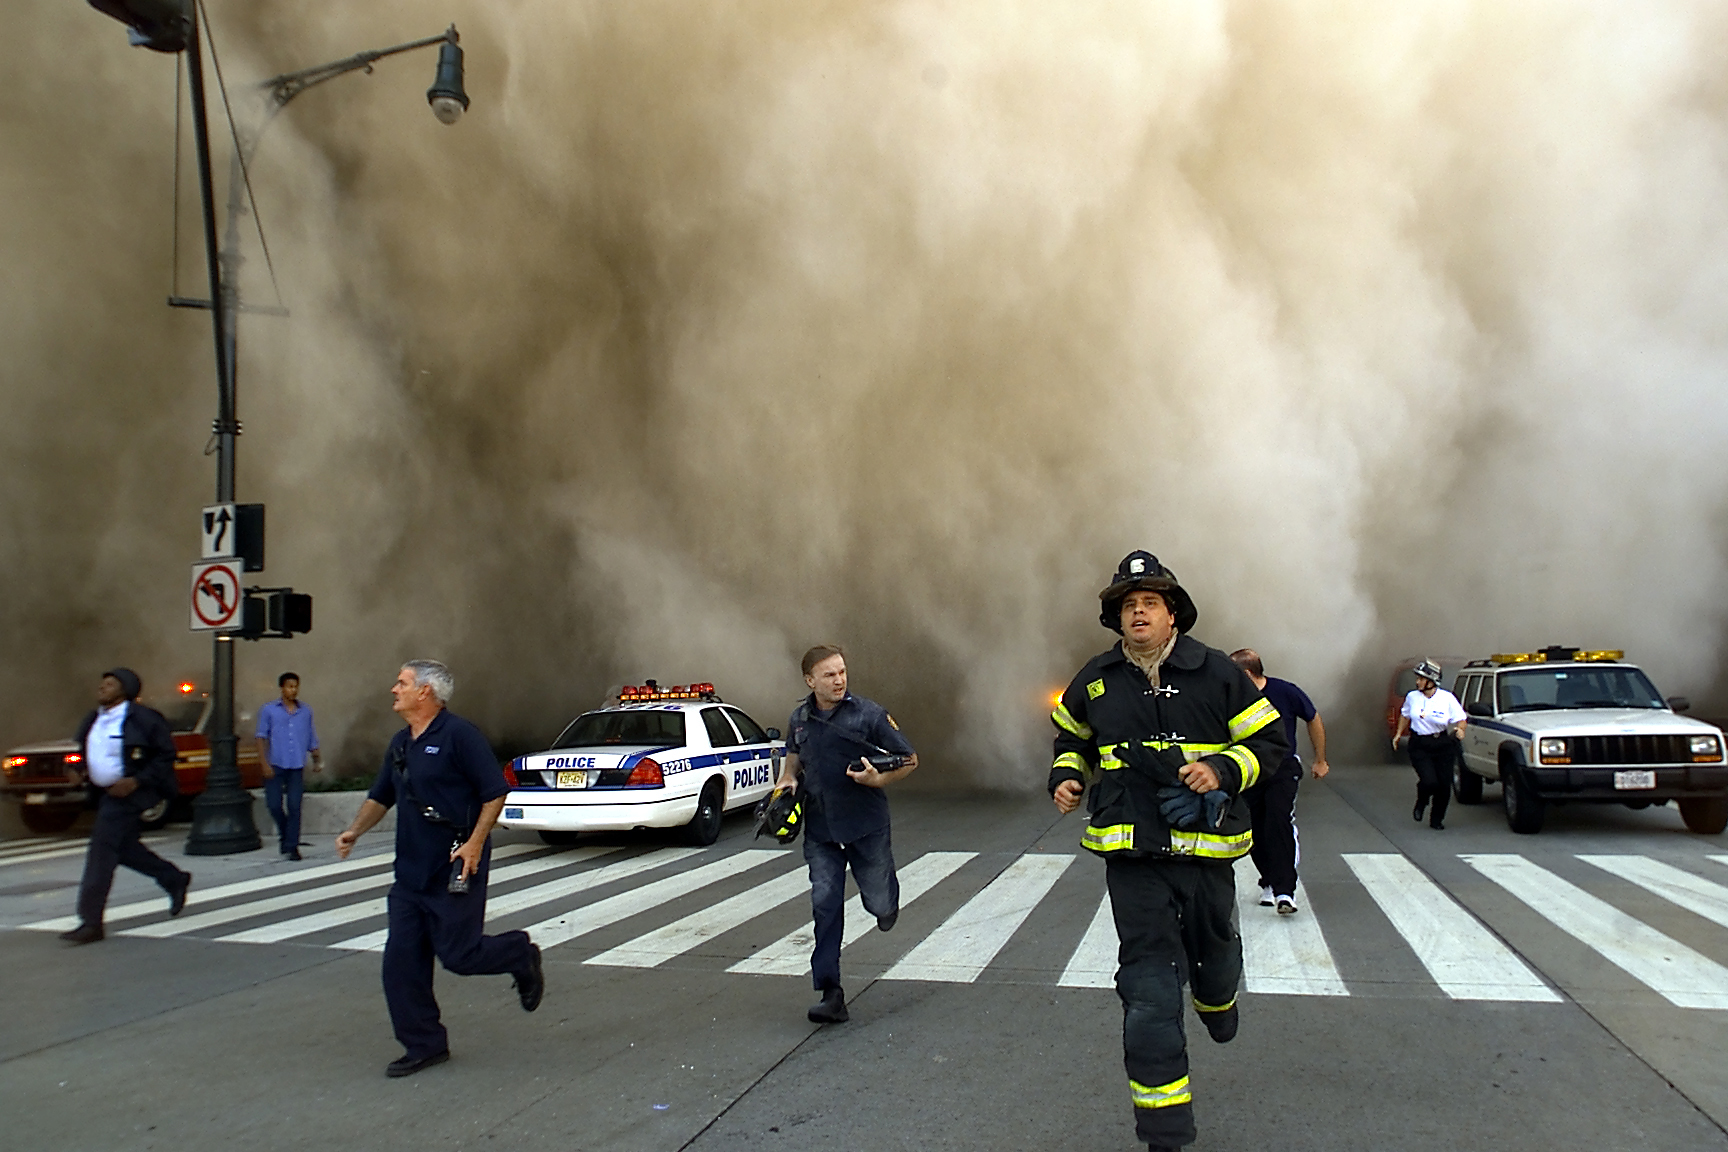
(222, 814)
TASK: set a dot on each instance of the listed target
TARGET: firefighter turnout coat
(1206, 708)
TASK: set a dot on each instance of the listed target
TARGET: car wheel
(1525, 810)
(704, 827)
(49, 819)
(560, 839)
(1467, 786)
(154, 816)
(1706, 815)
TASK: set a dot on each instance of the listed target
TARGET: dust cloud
(712, 332)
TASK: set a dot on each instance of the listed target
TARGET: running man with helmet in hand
(1169, 733)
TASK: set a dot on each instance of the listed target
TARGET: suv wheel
(1467, 786)
(704, 827)
(1525, 810)
(1706, 815)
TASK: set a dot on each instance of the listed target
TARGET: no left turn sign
(216, 595)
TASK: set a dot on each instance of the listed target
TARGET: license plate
(1637, 779)
(580, 780)
(36, 798)
(512, 813)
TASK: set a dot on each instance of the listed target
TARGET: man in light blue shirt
(285, 739)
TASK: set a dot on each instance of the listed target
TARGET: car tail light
(646, 774)
(510, 773)
(73, 758)
(17, 761)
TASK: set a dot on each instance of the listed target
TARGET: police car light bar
(1558, 655)
(646, 693)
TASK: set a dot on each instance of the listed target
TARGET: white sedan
(669, 758)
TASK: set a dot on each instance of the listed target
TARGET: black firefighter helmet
(779, 814)
(1141, 572)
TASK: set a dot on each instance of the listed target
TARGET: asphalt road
(1460, 989)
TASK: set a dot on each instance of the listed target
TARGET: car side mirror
(773, 733)
(1479, 708)
(1679, 703)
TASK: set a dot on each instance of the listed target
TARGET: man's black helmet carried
(1141, 572)
(779, 814)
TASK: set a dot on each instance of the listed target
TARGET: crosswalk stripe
(200, 896)
(347, 914)
(1093, 964)
(1680, 975)
(79, 849)
(580, 921)
(1693, 893)
(1283, 955)
(1466, 960)
(965, 943)
(12, 847)
(680, 936)
(545, 893)
(790, 955)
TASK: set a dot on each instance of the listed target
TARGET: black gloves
(1182, 808)
(1162, 765)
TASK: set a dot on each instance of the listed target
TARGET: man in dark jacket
(1169, 732)
(129, 755)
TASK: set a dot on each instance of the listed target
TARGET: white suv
(1562, 724)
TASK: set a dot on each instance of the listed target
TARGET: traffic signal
(160, 25)
(274, 614)
(290, 612)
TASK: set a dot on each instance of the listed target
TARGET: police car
(1562, 724)
(659, 758)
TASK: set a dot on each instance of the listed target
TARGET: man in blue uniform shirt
(829, 739)
(448, 790)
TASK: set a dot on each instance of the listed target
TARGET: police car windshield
(1576, 687)
(597, 729)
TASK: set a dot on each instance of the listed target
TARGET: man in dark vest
(129, 754)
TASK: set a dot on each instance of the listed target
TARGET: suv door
(1481, 744)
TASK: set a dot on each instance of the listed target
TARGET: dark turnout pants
(1272, 808)
(872, 860)
(446, 925)
(1173, 918)
(114, 841)
(1433, 757)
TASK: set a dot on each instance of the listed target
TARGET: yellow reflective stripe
(1246, 761)
(1200, 750)
(1160, 1096)
(1094, 689)
(1075, 761)
(1210, 845)
(1199, 1007)
(1065, 720)
(1252, 718)
(1115, 838)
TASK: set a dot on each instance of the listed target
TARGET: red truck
(49, 783)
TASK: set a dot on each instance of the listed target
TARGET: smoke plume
(712, 332)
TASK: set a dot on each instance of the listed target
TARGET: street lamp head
(161, 25)
(447, 97)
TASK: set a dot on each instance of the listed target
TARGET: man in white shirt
(1434, 720)
(129, 753)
